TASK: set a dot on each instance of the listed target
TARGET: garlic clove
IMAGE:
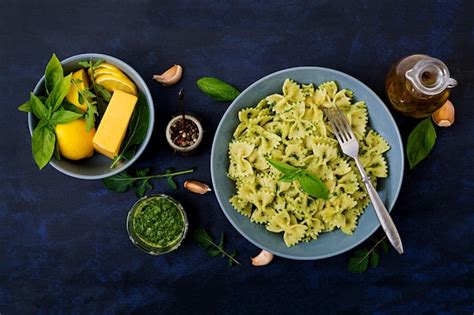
(169, 77)
(444, 116)
(262, 259)
(196, 187)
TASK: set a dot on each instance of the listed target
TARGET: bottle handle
(451, 83)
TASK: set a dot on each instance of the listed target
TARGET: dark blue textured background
(63, 243)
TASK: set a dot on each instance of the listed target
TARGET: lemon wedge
(113, 82)
(73, 93)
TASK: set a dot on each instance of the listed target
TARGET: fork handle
(382, 214)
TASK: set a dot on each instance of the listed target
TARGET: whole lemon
(74, 141)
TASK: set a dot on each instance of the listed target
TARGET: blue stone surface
(63, 243)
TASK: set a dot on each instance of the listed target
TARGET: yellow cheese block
(114, 123)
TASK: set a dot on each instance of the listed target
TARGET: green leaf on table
(59, 92)
(142, 184)
(313, 186)
(123, 181)
(170, 180)
(202, 238)
(43, 143)
(385, 246)
(217, 89)
(120, 182)
(359, 262)
(374, 259)
(64, 116)
(420, 142)
(206, 241)
(53, 74)
(38, 108)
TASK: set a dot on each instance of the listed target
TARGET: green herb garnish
(213, 249)
(50, 111)
(102, 94)
(361, 258)
(89, 98)
(123, 181)
(217, 90)
(137, 130)
(420, 142)
(311, 184)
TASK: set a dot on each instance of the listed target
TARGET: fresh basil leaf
(139, 122)
(359, 262)
(286, 169)
(25, 107)
(59, 92)
(56, 153)
(313, 186)
(121, 182)
(420, 142)
(53, 74)
(38, 108)
(84, 64)
(289, 177)
(43, 143)
(374, 259)
(64, 117)
(217, 89)
(73, 108)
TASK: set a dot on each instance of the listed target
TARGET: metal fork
(350, 147)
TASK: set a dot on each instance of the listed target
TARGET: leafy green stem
(157, 176)
(91, 110)
(224, 252)
(372, 249)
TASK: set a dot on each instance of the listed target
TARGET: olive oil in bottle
(418, 85)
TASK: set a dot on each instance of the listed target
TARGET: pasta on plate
(292, 128)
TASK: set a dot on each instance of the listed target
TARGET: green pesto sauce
(158, 222)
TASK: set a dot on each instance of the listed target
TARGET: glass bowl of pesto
(157, 224)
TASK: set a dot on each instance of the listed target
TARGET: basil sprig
(50, 111)
(217, 89)
(420, 142)
(311, 184)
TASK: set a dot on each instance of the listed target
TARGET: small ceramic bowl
(98, 166)
(147, 248)
(184, 149)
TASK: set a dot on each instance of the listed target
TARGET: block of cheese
(114, 123)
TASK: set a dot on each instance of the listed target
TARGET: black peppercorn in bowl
(184, 135)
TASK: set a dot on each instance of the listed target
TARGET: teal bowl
(328, 244)
(97, 166)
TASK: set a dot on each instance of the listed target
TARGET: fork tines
(340, 126)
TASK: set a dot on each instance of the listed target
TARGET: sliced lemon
(113, 82)
(105, 66)
(73, 93)
(101, 71)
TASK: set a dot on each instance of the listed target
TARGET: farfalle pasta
(292, 128)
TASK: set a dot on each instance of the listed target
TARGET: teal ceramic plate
(328, 244)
